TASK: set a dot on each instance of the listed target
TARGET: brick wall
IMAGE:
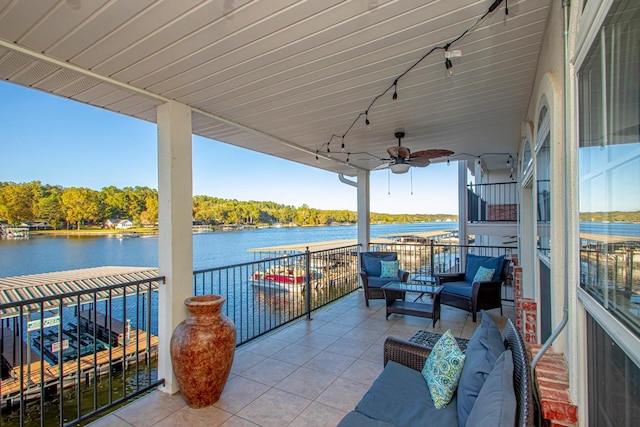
(504, 212)
(552, 372)
(552, 382)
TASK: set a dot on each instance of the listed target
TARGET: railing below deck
(79, 353)
(266, 294)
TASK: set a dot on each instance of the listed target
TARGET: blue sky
(62, 142)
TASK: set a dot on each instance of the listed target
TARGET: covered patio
(537, 96)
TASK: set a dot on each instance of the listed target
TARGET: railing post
(307, 296)
(431, 261)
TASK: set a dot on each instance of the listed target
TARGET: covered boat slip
(15, 290)
(30, 346)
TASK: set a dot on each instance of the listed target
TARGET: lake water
(45, 254)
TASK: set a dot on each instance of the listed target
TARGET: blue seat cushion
(458, 288)
(496, 403)
(356, 419)
(378, 282)
(400, 396)
(371, 263)
(474, 262)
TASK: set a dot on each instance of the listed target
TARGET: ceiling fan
(402, 158)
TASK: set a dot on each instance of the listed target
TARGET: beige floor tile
(306, 382)
(236, 421)
(110, 421)
(343, 394)
(238, 393)
(209, 416)
(363, 371)
(269, 371)
(296, 354)
(317, 340)
(375, 353)
(335, 329)
(244, 360)
(349, 347)
(365, 335)
(274, 408)
(151, 409)
(330, 363)
(266, 346)
(289, 334)
(318, 415)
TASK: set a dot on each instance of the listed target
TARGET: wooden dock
(41, 375)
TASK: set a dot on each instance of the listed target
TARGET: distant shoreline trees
(74, 207)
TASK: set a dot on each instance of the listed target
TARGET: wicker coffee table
(394, 294)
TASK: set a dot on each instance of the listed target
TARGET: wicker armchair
(460, 292)
(372, 284)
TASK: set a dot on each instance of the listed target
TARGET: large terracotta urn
(202, 349)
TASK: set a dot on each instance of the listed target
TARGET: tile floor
(310, 373)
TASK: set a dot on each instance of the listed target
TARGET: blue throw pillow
(483, 275)
(389, 268)
(442, 369)
(371, 263)
(496, 403)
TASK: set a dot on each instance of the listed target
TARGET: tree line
(78, 206)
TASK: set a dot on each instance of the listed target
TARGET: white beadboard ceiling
(282, 76)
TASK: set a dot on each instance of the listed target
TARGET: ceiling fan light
(399, 168)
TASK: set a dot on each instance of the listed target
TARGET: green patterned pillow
(484, 274)
(442, 369)
(389, 268)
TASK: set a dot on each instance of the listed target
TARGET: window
(609, 165)
(543, 182)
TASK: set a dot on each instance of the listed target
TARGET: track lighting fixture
(342, 148)
(395, 91)
(317, 158)
(448, 162)
(348, 154)
(366, 120)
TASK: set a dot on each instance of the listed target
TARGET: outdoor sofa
(497, 395)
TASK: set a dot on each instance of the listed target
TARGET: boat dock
(89, 342)
(40, 374)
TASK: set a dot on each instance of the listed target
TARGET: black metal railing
(492, 202)
(75, 355)
(265, 294)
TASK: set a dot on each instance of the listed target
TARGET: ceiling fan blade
(432, 153)
(382, 166)
(420, 162)
(403, 152)
(393, 151)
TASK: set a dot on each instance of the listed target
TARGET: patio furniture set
(436, 379)
(477, 288)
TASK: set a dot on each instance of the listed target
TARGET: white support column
(175, 239)
(364, 217)
(463, 212)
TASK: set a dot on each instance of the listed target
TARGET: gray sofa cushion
(483, 349)
(458, 288)
(356, 419)
(496, 403)
(400, 396)
(372, 263)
